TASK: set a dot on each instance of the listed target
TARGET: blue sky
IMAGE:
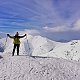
(55, 19)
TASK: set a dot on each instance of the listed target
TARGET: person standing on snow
(16, 42)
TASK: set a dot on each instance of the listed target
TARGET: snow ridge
(43, 47)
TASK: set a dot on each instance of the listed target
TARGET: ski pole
(6, 40)
(28, 43)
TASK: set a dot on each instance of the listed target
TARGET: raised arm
(22, 36)
(10, 36)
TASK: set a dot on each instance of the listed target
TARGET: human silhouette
(16, 42)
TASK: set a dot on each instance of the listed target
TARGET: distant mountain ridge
(43, 47)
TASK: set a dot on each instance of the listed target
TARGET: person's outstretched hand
(25, 34)
(7, 34)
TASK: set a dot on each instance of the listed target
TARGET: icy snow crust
(29, 68)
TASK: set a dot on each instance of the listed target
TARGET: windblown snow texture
(28, 68)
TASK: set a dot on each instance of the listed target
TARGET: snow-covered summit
(43, 47)
(53, 67)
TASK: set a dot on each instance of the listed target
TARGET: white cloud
(32, 31)
(64, 28)
(57, 29)
(29, 31)
(76, 25)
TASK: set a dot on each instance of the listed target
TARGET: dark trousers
(16, 45)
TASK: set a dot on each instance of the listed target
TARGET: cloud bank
(64, 28)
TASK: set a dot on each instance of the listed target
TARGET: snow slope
(47, 48)
(69, 50)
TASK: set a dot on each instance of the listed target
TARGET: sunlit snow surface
(43, 47)
(40, 59)
(29, 68)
